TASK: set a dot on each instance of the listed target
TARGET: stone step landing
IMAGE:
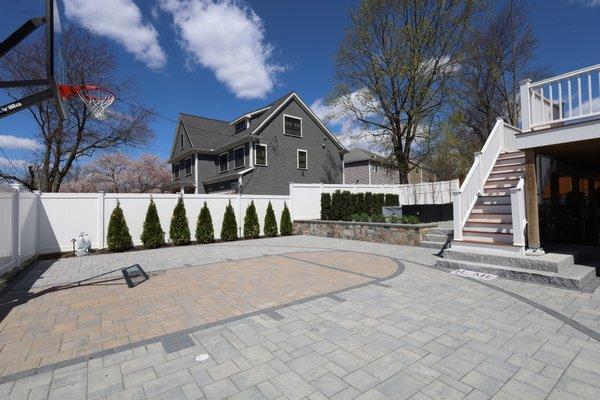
(436, 238)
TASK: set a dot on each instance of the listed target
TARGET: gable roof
(209, 134)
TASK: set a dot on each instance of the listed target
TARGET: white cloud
(121, 21)
(589, 3)
(344, 125)
(5, 163)
(18, 143)
(228, 39)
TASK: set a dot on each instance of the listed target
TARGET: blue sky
(220, 58)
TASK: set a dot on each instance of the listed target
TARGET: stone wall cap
(381, 224)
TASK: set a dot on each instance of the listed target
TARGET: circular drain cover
(202, 357)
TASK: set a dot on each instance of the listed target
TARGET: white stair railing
(519, 220)
(465, 198)
(562, 98)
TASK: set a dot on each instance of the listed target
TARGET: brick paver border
(176, 336)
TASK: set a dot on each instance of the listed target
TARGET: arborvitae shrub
(270, 222)
(118, 237)
(346, 206)
(378, 201)
(205, 232)
(336, 206)
(359, 203)
(392, 200)
(369, 203)
(325, 205)
(287, 228)
(229, 227)
(179, 231)
(152, 235)
(251, 225)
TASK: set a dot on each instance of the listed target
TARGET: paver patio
(297, 317)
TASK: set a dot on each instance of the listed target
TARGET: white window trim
(185, 166)
(177, 173)
(266, 154)
(243, 158)
(219, 162)
(247, 126)
(292, 116)
(298, 159)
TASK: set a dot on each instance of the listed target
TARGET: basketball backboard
(42, 85)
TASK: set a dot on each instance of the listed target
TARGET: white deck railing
(464, 199)
(563, 98)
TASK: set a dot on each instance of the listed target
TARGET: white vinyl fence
(44, 223)
(306, 197)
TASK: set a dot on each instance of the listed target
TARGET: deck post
(531, 201)
(525, 105)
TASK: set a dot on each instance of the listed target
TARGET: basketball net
(96, 99)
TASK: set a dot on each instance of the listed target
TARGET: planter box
(378, 232)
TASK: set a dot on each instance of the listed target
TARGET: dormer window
(242, 125)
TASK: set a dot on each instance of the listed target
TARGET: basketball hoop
(96, 99)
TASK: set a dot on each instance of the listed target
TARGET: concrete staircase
(490, 220)
(437, 238)
(551, 269)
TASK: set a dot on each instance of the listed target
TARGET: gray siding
(231, 163)
(384, 177)
(357, 173)
(183, 178)
(324, 159)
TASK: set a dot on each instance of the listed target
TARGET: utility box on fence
(392, 211)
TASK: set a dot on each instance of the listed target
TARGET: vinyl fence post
(239, 216)
(38, 210)
(15, 226)
(101, 231)
(291, 201)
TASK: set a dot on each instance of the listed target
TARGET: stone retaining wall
(404, 234)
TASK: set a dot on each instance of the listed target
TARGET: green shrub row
(341, 206)
(119, 238)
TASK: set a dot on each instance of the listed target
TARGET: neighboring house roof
(211, 135)
(357, 155)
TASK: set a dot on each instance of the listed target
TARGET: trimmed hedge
(336, 206)
(392, 200)
(118, 237)
(179, 231)
(229, 227)
(251, 225)
(270, 222)
(325, 206)
(204, 227)
(368, 203)
(287, 228)
(152, 234)
(346, 206)
(359, 203)
(378, 202)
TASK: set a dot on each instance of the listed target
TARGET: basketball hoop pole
(50, 56)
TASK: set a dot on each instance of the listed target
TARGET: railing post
(457, 210)
(477, 160)
(101, 220)
(517, 203)
(16, 246)
(525, 105)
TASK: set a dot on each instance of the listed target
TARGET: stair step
(572, 277)
(504, 178)
(510, 156)
(507, 172)
(497, 193)
(490, 238)
(439, 231)
(512, 162)
(490, 218)
(491, 208)
(548, 262)
(436, 238)
(488, 228)
(493, 200)
(432, 245)
(501, 184)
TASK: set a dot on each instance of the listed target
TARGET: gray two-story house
(260, 152)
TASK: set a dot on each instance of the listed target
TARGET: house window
(240, 126)
(175, 170)
(260, 154)
(292, 126)
(374, 167)
(223, 162)
(182, 140)
(188, 166)
(302, 159)
(238, 155)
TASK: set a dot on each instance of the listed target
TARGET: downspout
(369, 166)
